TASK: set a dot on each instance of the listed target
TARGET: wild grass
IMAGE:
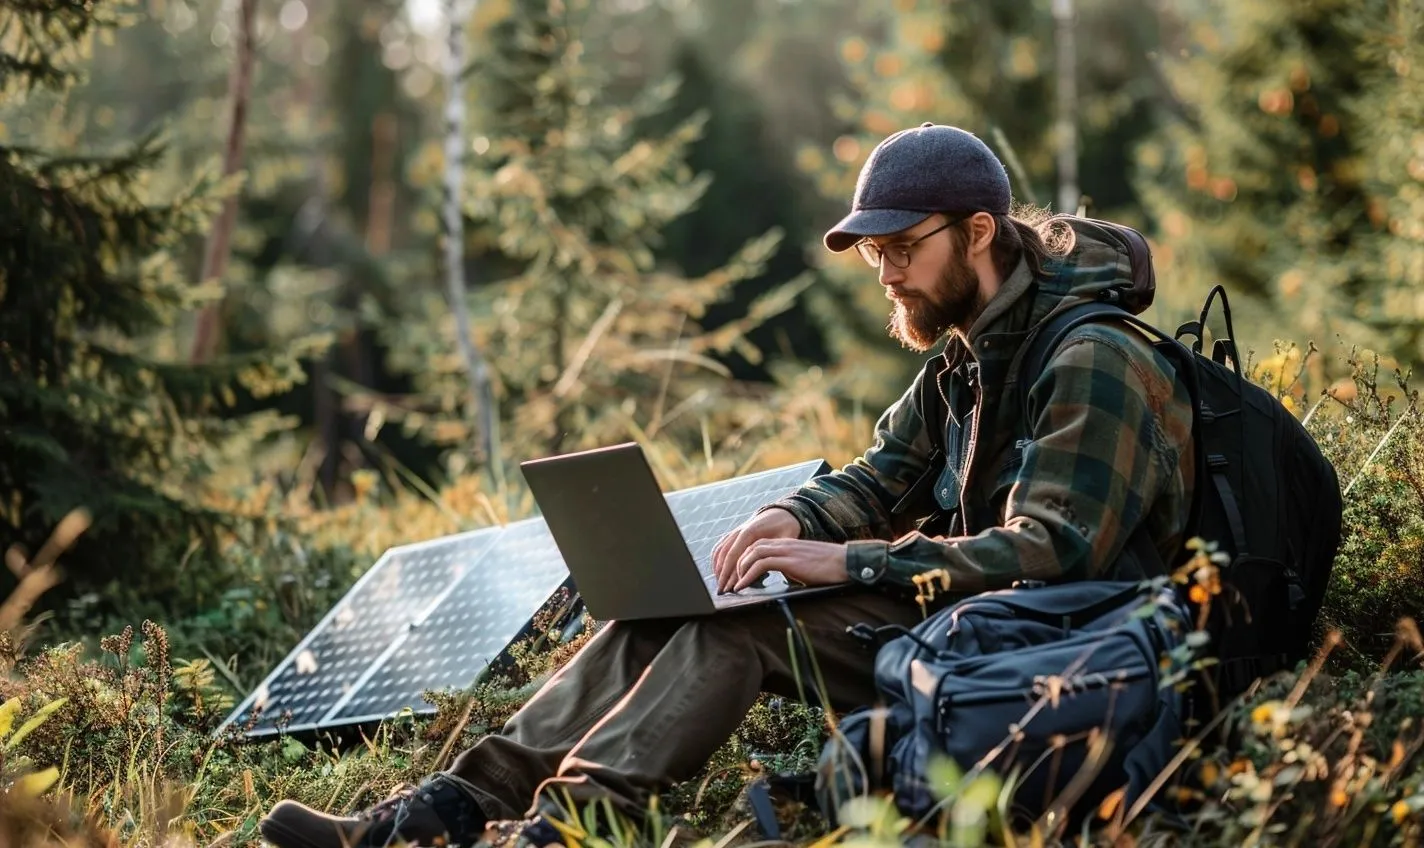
(118, 746)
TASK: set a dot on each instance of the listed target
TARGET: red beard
(919, 320)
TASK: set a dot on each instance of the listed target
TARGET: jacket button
(867, 573)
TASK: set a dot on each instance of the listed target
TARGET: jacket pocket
(947, 488)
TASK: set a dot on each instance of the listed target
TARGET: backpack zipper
(944, 703)
(1055, 619)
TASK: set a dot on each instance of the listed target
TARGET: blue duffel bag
(1022, 679)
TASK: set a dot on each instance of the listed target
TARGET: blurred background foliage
(644, 189)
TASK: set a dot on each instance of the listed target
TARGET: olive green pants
(646, 703)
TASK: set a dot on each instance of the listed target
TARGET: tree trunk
(560, 359)
(1066, 133)
(215, 253)
(475, 367)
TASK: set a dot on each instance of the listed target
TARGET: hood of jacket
(1025, 300)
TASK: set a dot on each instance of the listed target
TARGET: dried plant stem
(1188, 748)
(657, 419)
(455, 734)
(1332, 639)
(1379, 447)
(35, 583)
(569, 378)
(40, 574)
(1011, 158)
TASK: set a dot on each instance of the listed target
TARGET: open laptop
(615, 530)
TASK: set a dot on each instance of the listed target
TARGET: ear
(982, 228)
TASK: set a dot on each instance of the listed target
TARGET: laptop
(612, 524)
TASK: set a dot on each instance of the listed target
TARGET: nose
(889, 274)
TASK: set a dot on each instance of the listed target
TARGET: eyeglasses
(897, 254)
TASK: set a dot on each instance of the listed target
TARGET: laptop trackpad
(772, 584)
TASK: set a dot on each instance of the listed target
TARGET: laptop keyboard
(705, 514)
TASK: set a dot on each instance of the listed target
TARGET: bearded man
(645, 703)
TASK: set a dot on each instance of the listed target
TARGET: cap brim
(870, 222)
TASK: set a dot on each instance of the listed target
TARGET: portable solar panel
(436, 614)
(399, 591)
(471, 627)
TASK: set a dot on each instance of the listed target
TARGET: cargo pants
(647, 703)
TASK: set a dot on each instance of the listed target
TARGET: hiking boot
(441, 810)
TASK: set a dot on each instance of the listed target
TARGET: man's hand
(807, 562)
(771, 524)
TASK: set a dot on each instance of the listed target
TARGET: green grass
(1329, 755)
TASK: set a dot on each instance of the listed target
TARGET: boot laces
(397, 808)
(398, 802)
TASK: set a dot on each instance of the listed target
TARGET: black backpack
(1265, 494)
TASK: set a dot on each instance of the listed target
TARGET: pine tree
(1392, 106)
(1261, 186)
(324, 219)
(89, 418)
(590, 338)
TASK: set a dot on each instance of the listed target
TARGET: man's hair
(1026, 232)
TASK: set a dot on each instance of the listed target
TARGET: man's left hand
(802, 560)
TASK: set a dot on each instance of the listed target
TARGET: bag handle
(1221, 348)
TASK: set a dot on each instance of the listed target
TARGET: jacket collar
(999, 331)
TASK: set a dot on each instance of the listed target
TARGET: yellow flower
(362, 482)
(1400, 811)
(1109, 807)
(1209, 773)
(1263, 712)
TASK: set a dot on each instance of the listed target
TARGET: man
(647, 702)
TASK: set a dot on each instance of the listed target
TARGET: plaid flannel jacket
(1108, 451)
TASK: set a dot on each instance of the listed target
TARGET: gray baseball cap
(917, 172)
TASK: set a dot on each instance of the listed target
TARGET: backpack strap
(1047, 338)
(1216, 464)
